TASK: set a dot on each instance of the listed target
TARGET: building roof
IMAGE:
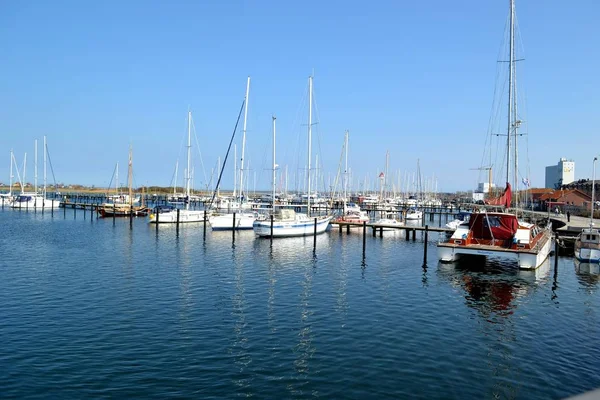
(558, 195)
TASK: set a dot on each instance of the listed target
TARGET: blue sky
(413, 78)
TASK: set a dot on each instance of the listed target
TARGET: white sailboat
(502, 234)
(244, 217)
(7, 198)
(587, 244)
(35, 200)
(170, 216)
(286, 222)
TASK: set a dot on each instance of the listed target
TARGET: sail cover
(503, 200)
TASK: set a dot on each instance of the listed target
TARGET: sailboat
(587, 244)
(35, 200)
(171, 215)
(287, 222)
(501, 234)
(7, 198)
(244, 217)
(349, 215)
(123, 205)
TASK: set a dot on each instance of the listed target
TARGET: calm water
(89, 309)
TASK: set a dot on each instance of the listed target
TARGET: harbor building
(560, 174)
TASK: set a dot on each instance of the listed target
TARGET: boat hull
(587, 255)
(243, 221)
(291, 228)
(170, 217)
(526, 259)
(36, 203)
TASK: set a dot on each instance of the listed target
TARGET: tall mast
(189, 156)
(176, 174)
(310, 83)
(593, 198)
(117, 179)
(234, 194)
(130, 176)
(345, 170)
(45, 151)
(510, 87)
(244, 139)
(35, 168)
(11, 171)
(274, 168)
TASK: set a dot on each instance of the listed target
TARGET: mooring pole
(271, 227)
(315, 237)
(204, 230)
(555, 254)
(157, 216)
(425, 244)
(364, 238)
(233, 227)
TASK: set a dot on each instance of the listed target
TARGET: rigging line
(51, 168)
(227, 154)
(198, 148)
(111, 178)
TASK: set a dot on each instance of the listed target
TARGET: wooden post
(74, 212)
(315, 237)
(64, 210)
(205, 222)
(177, 222)
(157, 216)
(414, 235)
(425, 244)
(52, 209)
(130, 216)
(407, 232)
(374, 231)
(364, 238)
(555, 254)
(347, 229)
(271, 227)
(84, 212)
(381, 231)
(233, 226)
(97, 209)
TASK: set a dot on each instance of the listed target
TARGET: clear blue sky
(414, 78)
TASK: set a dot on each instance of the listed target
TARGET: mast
(130, 176)
(345, 171)
(593, 198)
(189, 156)
(176, 174)
(274, 168)
(117, 179)
(35, 168)
(244, 139)
(310, 83)
(11, 171)
(234, 194)
(510, 87)
(45, 151)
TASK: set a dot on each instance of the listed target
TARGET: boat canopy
(493, 225)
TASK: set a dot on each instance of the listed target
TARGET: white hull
(414, 215)
(587, 255)
(525, 260)
(225, 222)
(170, 217)
(298, 227)
(36, 202)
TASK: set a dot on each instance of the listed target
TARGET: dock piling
(204, 228)
(315, 237)
(271, 228)
(233, 227)
(425, 244)
(364, 238)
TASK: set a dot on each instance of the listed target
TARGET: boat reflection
(493, 286)
(588, 274)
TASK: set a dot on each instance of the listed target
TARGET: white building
(561, 174)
